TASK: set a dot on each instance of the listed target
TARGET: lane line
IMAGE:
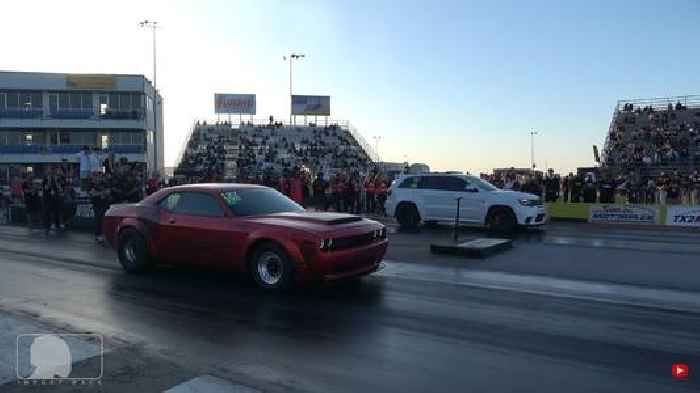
(210, 384)
(624, 294)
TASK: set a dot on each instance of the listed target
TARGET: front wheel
(271, 268)
(408, 217)
(132, 251)
(502, 221)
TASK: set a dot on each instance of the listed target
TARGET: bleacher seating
(653, 136)
(225, 151)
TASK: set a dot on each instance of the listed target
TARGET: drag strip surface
(416, 326)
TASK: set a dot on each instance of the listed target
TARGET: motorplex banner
(683, 216)
(623, 214)
(235, 103)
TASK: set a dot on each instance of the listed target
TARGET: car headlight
(529, 202)
(326, 244)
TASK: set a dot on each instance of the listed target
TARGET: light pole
(292, 56)
(153, 25)
(377, 138)
(532, 149)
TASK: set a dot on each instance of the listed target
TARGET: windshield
(482, 185)
(259, 201)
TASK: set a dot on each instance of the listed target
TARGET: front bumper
(532, 216)
(344, 264)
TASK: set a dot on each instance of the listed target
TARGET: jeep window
(411, 182)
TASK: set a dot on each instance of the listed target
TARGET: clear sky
(455, 84)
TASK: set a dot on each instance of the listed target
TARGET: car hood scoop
(320, 217)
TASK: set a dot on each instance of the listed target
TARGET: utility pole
(153, 25)
(532, 149)
(293, 56)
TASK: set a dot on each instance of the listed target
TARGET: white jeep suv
(432, 197)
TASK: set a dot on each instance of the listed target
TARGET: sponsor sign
(90, 82)
(623, 214)
(684, 216)
(84, 210)
(311, 105)
(235, 103)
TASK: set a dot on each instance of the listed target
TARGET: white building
(47, 118)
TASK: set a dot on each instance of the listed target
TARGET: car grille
(348, 267)
(344, 243)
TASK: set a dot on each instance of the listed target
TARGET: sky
(458, 85)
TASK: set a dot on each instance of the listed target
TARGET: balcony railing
(67, 149)
(21, 113)
(71, 113)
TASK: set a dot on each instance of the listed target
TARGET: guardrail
(661, 103)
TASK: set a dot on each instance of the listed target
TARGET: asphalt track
(576, 308)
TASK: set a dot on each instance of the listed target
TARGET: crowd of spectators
(644, 137)
(317, 166)
(50, 199)
(604, 187)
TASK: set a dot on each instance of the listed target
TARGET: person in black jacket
(52, 190)
(100, 191)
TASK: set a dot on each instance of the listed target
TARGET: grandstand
(651, 136)
(230, 151)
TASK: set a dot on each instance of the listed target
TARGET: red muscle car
(248, 228)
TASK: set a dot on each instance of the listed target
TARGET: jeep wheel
(502, 221)
(408, 216)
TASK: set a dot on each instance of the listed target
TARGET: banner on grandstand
(683, 216)
(235, 103)
(311, 105)
(623, 214)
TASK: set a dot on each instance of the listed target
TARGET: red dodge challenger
(247, 228)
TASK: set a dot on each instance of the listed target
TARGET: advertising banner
(90, 82)
(311, 105)
(623, 214)
(683, 216)
(235, 103)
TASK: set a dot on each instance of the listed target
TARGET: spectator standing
(381, 191)
(296, 188)
(565, 188)
(100, 194)
(52, 192)
(369, 193)
(32, 201)
(695, 187)
(319, 191)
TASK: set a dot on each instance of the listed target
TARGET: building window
(104, 142)
(28, 139)
(64, 101)
(3, 101)
(12, 100)
(65, 138)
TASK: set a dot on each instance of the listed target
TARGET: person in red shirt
(381, 190)
(296, 189)
(284, 185)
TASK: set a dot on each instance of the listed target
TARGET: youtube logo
(679, 371)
